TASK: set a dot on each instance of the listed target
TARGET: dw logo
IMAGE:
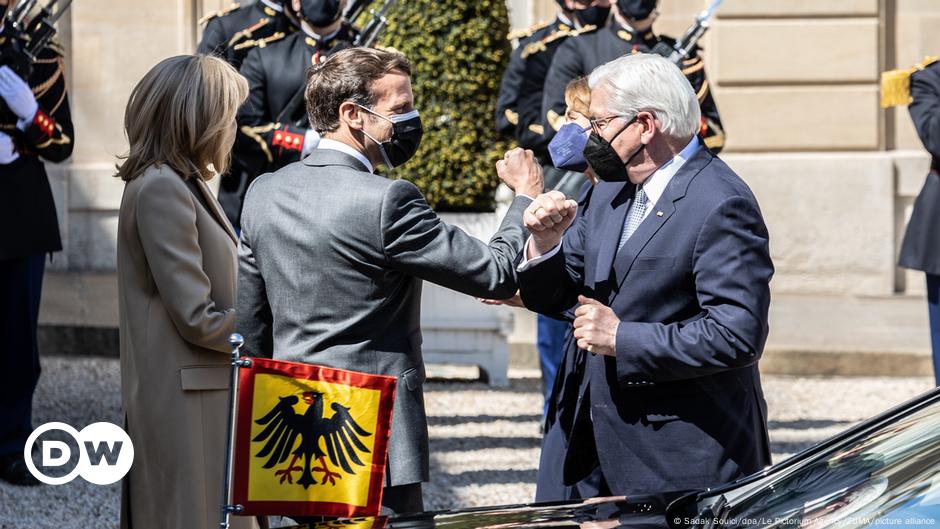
(105, 453)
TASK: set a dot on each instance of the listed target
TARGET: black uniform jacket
(579, 56)
(519, 107)
(275, 69)
(231, 33)
(26, 203)
(921, 247)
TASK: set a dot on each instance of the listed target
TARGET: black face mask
(604, 160)
(407, 131)
(593, 16)
(319, 13)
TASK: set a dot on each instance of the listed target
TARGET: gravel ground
(484, 442)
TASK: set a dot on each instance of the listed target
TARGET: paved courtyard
(484, 442)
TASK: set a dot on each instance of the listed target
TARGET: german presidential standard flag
(310, 440)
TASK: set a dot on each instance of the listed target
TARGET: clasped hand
(595, 327)
(519, 170)
(547, 218)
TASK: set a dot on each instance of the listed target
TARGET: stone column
(113, 44)
(110, 45)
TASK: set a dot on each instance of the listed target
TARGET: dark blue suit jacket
(681, 405)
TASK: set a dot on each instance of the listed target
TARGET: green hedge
(459, 50)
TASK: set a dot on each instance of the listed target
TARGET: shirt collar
(320, 38)
(566, 21)
(333, 145)
(656, 184)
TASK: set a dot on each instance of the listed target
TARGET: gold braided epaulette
(896, 84)
(260, 42)
(528, 32)
(232, 7)
(56, 47)
(247, 32)
(542, 45)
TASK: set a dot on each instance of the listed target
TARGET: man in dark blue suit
(669, 270)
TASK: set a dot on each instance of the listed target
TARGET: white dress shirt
(654, 186)
(326, 143)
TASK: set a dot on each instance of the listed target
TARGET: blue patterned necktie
(634, 217)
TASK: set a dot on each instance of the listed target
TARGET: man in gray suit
(332, 256)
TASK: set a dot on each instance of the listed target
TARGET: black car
(884, 472)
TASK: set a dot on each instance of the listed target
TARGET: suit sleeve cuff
(629, 342)
(529, 263)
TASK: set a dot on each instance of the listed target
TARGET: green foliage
(459, 51)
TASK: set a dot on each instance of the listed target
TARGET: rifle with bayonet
(366, 37)
(28, 27)
(684, 47)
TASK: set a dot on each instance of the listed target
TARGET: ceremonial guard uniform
(267, 139)
(231, 32)
(507, 114)
(920, 87)
(35, 127)
(536, 57)
(579, 57)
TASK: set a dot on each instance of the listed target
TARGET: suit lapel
(214, 208)
(611, 227)
(659, 214)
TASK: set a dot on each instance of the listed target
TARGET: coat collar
(214, 207)
(326, 157)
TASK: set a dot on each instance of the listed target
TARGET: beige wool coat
(176, 282)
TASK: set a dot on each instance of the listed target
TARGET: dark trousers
(20, 290)
(933, 308)
(550, 341)
(550, 482)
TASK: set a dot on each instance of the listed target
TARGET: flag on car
(310, 440)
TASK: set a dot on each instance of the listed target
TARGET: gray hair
(651, 83)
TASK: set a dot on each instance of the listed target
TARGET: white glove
(7, 154)
(311, 140)
(18, 96)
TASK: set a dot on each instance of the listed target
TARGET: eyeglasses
(599, 124)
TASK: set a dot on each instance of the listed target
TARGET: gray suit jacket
(330, 266)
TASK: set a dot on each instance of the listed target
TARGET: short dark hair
(347, 75)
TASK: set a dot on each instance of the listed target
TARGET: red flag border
(385, 384)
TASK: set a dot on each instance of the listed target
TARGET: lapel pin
(659, 213)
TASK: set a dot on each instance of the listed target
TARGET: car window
(890, 477)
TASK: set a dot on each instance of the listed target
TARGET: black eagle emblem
(340, 436)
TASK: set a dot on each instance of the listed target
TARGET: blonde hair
(578, 96)
(181, 114)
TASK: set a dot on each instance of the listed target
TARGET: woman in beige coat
(176, 277)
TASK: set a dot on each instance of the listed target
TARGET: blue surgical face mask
(567, 147)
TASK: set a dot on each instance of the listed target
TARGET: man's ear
(649, 126)
(351, 114)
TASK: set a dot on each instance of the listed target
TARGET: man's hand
(595, 327)
(515, 301)
(547, 218)
(519, 170)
